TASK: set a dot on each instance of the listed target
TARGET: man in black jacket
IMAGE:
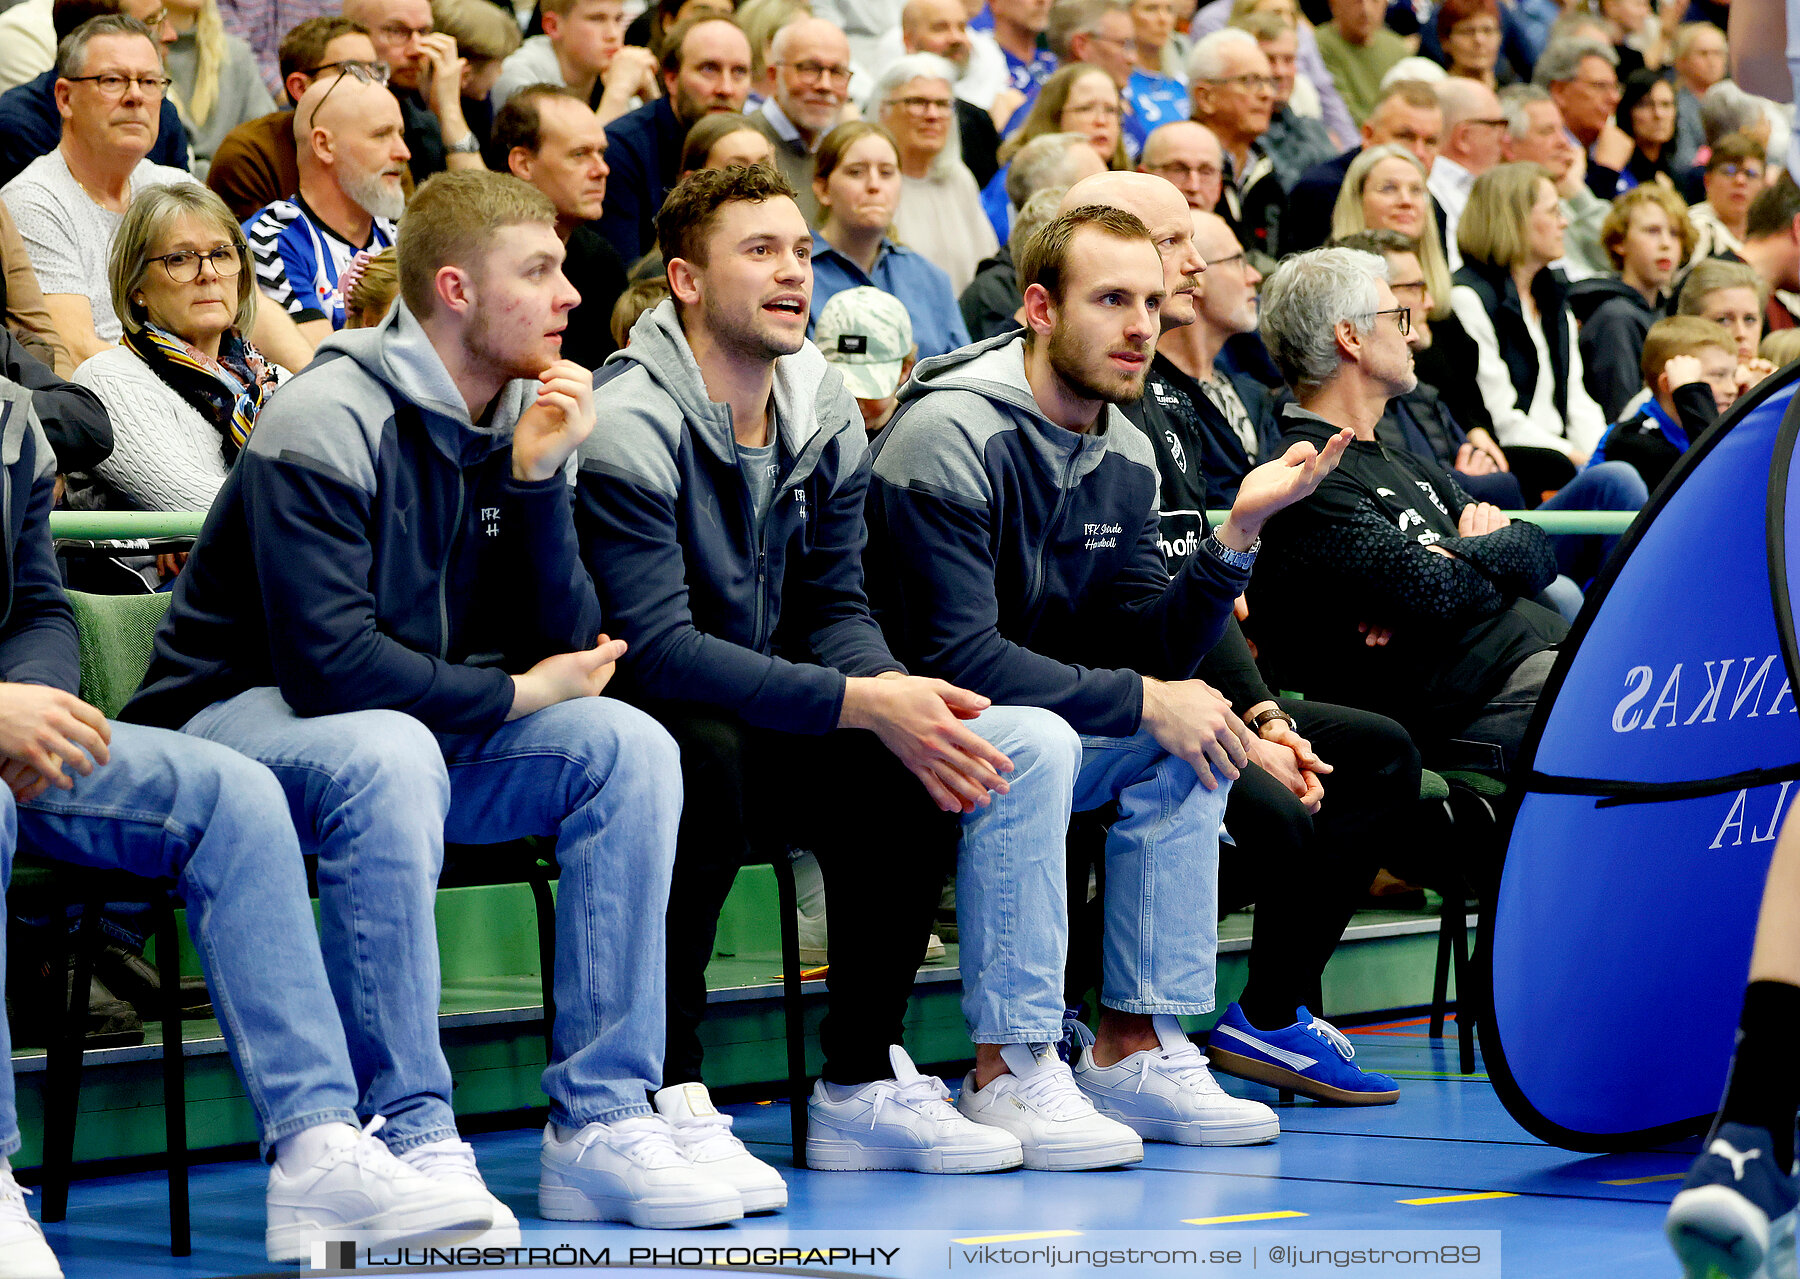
(1389, 588)
(1304, 860)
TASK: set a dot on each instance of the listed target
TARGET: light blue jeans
(1011, 889)
(1161, 913)
(376, 795)
(168, 806)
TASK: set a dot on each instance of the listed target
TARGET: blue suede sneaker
(1734, 1217)
(1310, 1058)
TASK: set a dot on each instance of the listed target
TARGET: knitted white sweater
(165, 457)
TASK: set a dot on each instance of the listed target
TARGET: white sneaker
(361, 1188)
(706, 1139)
(1168, 1094)
(24, 1253)
(1054, 1121)
(630, 1170)
(454, 1160)
(906, 1124)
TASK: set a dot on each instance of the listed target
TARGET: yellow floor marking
(1232, 1221)
(1644, 1181)
(1459, 1199)
(1033, 1234)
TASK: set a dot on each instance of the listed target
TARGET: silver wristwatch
(1236, 559)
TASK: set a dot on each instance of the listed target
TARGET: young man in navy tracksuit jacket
(81, 789)
(1014, 549)
(721, 512)
(387, 608)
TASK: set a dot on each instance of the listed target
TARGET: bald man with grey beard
(1303, 856)
(351, 152)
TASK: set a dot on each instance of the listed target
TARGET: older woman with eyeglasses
(184, 387)
(1735, 175)
(940, 214)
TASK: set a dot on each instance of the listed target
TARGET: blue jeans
(1160, 949)
(1011, 893)
(167, 806)
(1604, 486)
(375, 795)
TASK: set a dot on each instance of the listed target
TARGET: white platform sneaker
(630, 1170)
(1054, 1121)
(1168, 1094)
(454, 1160)
(905, 1124)
(360, 1189)
(706, 1138)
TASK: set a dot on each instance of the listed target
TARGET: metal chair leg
(168, 971)
(62, 1066)
(546, 934)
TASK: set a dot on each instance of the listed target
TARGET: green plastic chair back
(117, 634)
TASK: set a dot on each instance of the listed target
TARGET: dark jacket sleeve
(557, 607)
(1612, 348)
(1340, 537)
(630, 539)
(39, 645)
(631, 156)
(1165, 625)
(310, 544)
(938, 554)
(824, 590)
(73, 418)
(171, 139)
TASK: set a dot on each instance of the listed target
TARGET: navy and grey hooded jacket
(1019, 559)
(371, 550)
(37, 629)
(764, 627)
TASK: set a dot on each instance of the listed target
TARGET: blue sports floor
(1446, 1159)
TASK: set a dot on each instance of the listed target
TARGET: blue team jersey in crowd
(299, 259)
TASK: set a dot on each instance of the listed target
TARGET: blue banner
(1663, 755)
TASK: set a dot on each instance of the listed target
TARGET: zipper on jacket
(456, 534)
(1062, 497)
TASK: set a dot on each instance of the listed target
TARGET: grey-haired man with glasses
(1233, 94)
(110, 89)
(806, 84)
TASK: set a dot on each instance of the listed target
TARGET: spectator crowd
(842, 387)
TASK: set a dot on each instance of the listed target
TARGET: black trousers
(883, 848)
(1307, 872)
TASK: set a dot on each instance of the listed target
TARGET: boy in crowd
(386, 607)
(1690, 369)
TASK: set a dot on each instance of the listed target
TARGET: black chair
(1470, 805)
(115, 633)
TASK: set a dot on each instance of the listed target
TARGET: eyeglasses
(155, 20)
(1415, 287)
(1107, 109)
(1740, 171)
(1250, 82)
(183, 265)
(1237, 257)
(1609, 87)
(1402, 317)
(397, 32)
(816, 71)
(364, 70)
(1497, 122)
(920, 106)
(114, 85)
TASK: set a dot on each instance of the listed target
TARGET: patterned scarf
(228, 392)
